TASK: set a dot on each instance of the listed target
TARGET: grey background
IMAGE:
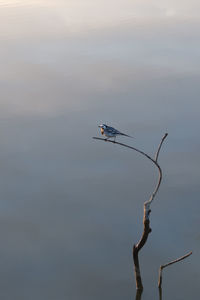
(71, 207)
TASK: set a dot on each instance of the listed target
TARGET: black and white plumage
(109, 131)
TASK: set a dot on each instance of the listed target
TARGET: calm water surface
(71, 207)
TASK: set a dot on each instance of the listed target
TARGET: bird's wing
(112, 130)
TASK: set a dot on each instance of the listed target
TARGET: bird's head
(103, 126)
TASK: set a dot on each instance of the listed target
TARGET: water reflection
(160, 293)
(138, 295)
(70, 208)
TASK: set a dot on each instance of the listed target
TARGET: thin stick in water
(168, 264)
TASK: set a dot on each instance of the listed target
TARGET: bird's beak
(99, 126)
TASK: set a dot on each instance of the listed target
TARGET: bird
(109, 132)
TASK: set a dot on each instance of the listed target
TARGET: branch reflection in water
(138, 295)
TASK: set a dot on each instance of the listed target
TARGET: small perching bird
(109, 131)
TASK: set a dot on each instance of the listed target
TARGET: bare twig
(159, 147)
(146, 221)
(126, 146)
(159, 169)
(168, 264)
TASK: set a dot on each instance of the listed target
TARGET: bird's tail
(127, 135)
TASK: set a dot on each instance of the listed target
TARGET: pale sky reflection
(67, 66)
(72, 17)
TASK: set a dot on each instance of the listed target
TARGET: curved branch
(159, 147)
(127, 146)
(159, 169)
(146, 221)
(147, 156)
